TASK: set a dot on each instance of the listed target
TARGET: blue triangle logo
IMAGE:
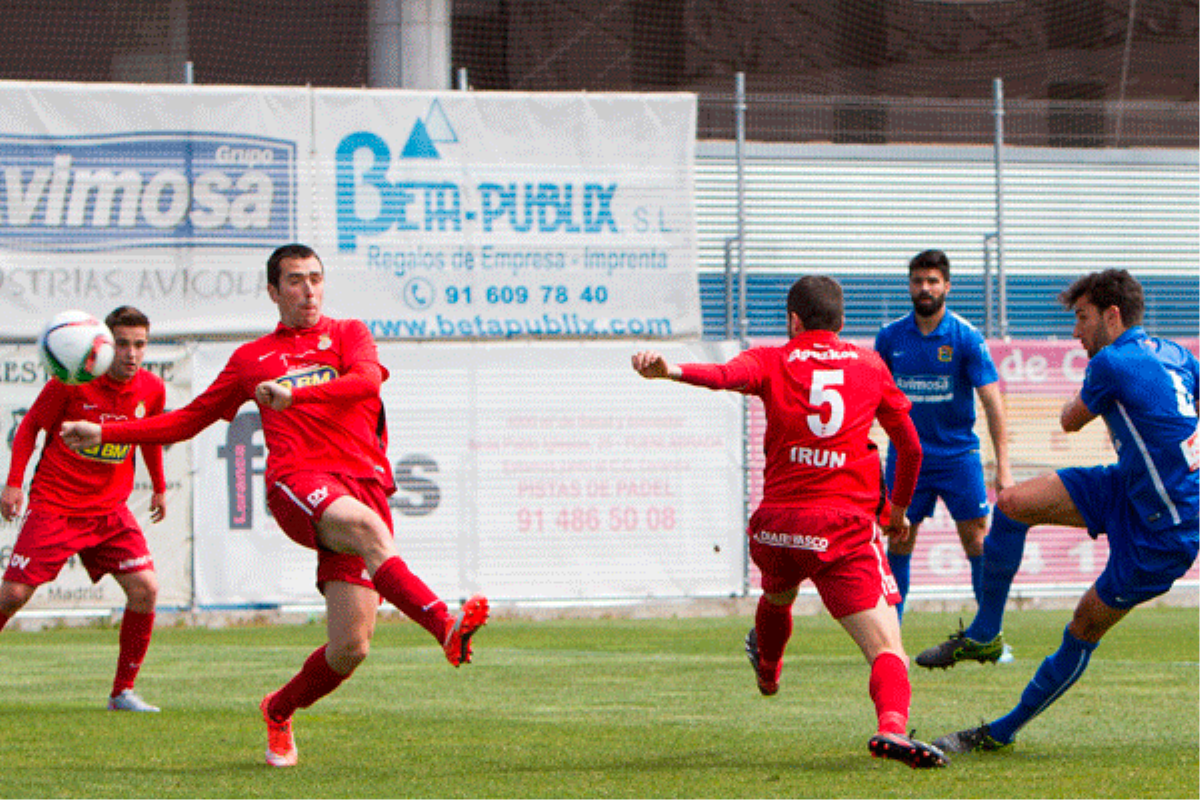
(438, 125)
(419, 145)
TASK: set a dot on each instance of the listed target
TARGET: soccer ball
(76, 347)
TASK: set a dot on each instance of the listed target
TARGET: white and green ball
(76, 347)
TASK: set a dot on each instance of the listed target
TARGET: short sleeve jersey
(821, 395)
(345, 437)
(100, 478)
(1145, 388)
(939, 373)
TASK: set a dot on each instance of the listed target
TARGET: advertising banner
(23, 377)
(546, 471)
(452, 215)
(495, 215)
(166, 198)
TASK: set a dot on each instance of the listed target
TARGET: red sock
(134, 638)
(314, 680)
(400, 587)
(774, 626)
(891, 692)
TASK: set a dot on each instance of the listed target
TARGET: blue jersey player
(941, 362)
(1147, 503)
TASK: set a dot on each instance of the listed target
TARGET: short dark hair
(294, 250)
(930, 259)
(1112, 287)
(128, 317)
(817, 301)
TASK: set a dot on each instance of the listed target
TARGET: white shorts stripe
(299, 503)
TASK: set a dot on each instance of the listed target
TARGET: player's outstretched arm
(650, 364)
(80, 434)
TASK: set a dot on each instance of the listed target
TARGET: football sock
(400, 587)
(314, 680)
(134, 641)
(1002, 552)
(773, 625)
(891, 692)
(901, 565)
(1057, 673)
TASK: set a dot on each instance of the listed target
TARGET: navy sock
(1002, 552)
(901, 566)
(1057, 673)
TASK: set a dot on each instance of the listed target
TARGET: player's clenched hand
(897, 528)
(650, 364)
(80, 434)
(158, 506)
(11, 500)
(273, 394)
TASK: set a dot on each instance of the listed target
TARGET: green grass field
(590, 708)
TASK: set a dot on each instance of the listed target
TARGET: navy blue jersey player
(941, 362)
(1145, 389)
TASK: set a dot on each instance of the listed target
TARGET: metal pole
(1125, 72)
(729, 242)
(189, 73)
(1001, 275)
(463, 85)
(743, 320)
(989, 300)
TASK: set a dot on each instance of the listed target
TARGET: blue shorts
(958, 480)
(1142, 564)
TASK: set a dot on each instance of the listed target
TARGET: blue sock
(1002, 552)
(1057, 673)
(901, 570)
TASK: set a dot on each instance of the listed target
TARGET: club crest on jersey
(945, 353)
(140, 411)
(309, 376)
(324, 343)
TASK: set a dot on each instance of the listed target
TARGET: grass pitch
(591, 708)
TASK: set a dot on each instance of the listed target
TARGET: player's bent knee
(345, 657)
(13, 597)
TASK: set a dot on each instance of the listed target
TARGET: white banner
(166, 198)
(22, 377)
(494, 215)
(452, 215)
(548, 471)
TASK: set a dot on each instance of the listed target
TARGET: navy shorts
(957, 480)
(1142, 564)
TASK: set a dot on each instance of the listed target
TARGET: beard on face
(927, 305)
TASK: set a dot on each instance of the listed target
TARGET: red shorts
(840, 551)
(106, 543)
(297, 502)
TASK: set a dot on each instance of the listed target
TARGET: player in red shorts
(316, 381)
(77, 500)
(822, 495)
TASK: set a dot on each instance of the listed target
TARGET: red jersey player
(77, 500)
(822, 494)
(316, 381)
